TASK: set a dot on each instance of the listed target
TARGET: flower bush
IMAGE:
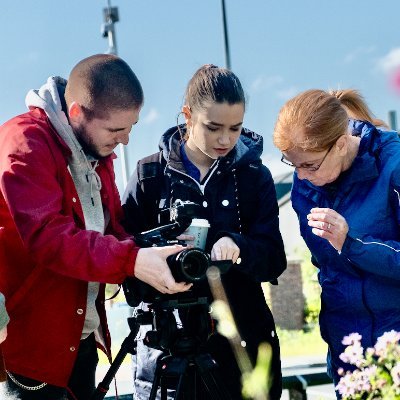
(377, 373)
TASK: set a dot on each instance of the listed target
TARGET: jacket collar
(248, 149)
(366, 165)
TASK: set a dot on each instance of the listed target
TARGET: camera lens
(189, 265)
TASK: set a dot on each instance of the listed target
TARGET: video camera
(190, 265)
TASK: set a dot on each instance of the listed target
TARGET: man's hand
(3, 334)
(151, 267)
(225, 249)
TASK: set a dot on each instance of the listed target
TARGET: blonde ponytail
(355, 106)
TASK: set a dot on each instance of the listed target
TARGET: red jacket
(48, 255)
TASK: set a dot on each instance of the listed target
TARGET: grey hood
(81, 166)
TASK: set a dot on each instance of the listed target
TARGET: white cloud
(359, 52)
(287, 93)
(265, 82)
(390, 61)
(262, 83)
(152, 116)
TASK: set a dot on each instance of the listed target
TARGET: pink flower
(386, 339)
(351, 339)
(377, 375)
(346, 386)
(353, 354)
(395, 372)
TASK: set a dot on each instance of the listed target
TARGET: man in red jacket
(59, 225)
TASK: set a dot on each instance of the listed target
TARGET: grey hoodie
(4, 319)
(82, 169)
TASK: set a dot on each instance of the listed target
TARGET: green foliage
(301, 343)
(311, 289)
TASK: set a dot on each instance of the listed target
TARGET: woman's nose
(301, 173)
(224, 139)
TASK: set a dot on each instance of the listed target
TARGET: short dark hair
(212, 83)
(102, 83)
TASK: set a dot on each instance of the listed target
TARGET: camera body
(189, 265)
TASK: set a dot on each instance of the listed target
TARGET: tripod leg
(156, 381)
(187, 385)
(170, 370)
(211, 378)
(128, 346)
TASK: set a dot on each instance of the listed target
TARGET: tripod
(194, 374)
(184, 365)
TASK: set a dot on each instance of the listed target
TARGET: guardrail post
(297, 394)
(299, 389)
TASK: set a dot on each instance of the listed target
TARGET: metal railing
(296, 384)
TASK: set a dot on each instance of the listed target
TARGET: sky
(278, 49)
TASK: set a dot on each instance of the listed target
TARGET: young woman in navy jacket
(215, 162)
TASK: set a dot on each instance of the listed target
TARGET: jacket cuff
(350, 244)
(132, 261)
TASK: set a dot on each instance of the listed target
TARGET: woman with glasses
(346, 193)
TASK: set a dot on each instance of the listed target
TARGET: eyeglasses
(312, 168)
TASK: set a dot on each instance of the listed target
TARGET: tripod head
(174, 335)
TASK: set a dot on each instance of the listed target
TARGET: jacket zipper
(201, 187)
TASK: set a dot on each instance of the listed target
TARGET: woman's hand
(188, 239)
(330, 225)
(225, 249)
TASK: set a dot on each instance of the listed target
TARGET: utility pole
(110, 17)
(393, 120)
(226, 39)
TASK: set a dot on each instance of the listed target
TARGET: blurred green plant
(311, 289)
(301, 343)
(255, 381)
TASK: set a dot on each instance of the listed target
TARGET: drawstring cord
(92, 176)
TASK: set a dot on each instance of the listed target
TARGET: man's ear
(187, 114)
(75, 112)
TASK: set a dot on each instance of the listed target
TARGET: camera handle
(128, 346)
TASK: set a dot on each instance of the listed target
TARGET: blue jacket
(360, 285)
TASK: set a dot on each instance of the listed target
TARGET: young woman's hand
(225, 249)
(330, 225)
(188, 239)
